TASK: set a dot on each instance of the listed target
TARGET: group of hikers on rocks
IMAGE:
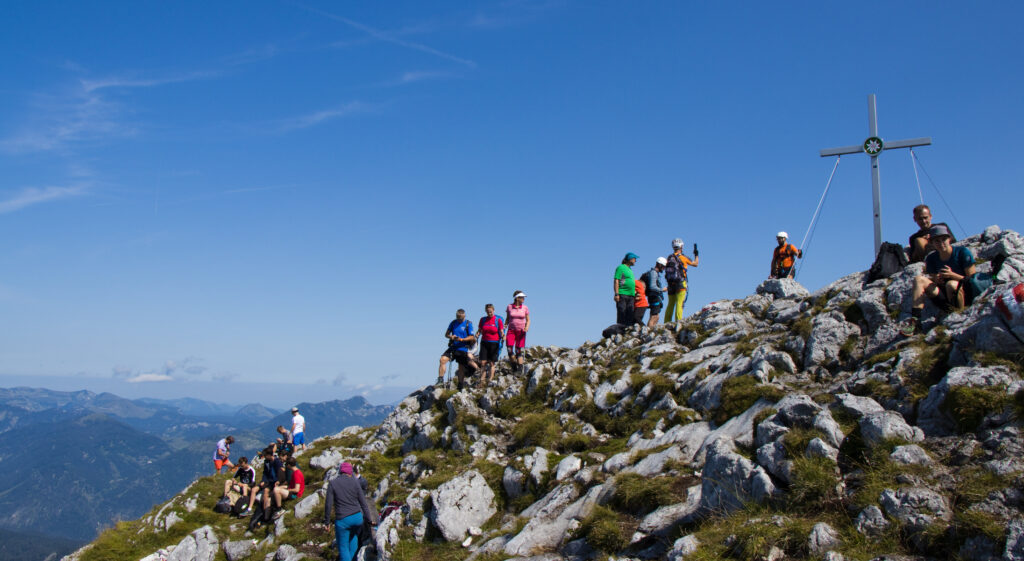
(492, 332)
(281, 479)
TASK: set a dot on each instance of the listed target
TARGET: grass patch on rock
(969, 406)
(739, 393)
(606, 530)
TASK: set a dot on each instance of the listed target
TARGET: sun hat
(939, 230)
(518, 294)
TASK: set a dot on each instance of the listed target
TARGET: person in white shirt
(298, 428)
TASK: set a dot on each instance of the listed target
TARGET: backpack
(614, 329)
(675, 272)
(240, 504)
(1009, 304)
(891, 259)
(223, 506)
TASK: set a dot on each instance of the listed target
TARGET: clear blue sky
(233, 196)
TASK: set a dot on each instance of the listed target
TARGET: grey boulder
(461, 503)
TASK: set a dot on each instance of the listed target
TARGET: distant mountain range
(76, 462)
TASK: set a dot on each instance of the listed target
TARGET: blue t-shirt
(959, 261)
(465, 329)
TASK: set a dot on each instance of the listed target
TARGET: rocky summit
(786, 425)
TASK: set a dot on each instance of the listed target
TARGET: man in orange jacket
(783, 258)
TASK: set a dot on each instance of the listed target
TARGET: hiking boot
(910, 327)
(244, 512)
(440, 380)
(278, 514)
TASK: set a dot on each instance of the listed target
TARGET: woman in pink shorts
(517, 317)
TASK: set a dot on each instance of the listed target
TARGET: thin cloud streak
(390, 38)
(121, 82)
(143, 378)
(30, 196)
(313, 119)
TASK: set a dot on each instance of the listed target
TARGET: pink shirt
(516, 316)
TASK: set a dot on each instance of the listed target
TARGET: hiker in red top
(491, 333)
(783, 258)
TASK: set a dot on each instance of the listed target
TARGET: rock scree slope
(785, 425)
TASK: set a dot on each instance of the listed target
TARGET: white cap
(518, 294)
(678, 242)
(662, 261)
(782, 235)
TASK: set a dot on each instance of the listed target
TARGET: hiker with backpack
(517, 315)
(783, 258)
(491, 331)
(919, 247)
(945, 282)
(245, 477)
(654, 289)
(677, 277)
(346, 499)
(460, 340)
(222, 453)
(624, 289)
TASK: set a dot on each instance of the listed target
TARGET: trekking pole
(448, 375)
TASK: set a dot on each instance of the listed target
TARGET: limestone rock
(683, 547)
(783, 288)
(829, 331)
(885, 425)
(915, 507)
(667, 518)
(857, 406)
(461, 503)
(537, 463)
(514, 482)
(871, 522)
(200, 545)
(567, 467)
(823, 538)
(287, 553)
(936, 422)
(910, 454)
(238, 550)
(307, 505)
(797, 410)
(655, 463)
(818, 448)
(730, 480)
(1014, 541)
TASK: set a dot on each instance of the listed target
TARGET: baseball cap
(939, 230)
(632, 255)
(295, 409)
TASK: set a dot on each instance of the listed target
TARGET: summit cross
(873, 146)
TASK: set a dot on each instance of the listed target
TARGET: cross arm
(855, 149)
(909, 143)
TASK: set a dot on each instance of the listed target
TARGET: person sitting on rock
(784, 257)
(947, 269)
(245, 477)
(295, 487)
(271, 467)
(919, 239)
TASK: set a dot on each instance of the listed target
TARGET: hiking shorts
(219, 464)
(783, 272)
(638, 314)
(461, 357)
(655, 309)
(299, 438)
(489, 350)
(515, 339)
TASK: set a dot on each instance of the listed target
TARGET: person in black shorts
(245, 475)
(460, 342)
(491, 332)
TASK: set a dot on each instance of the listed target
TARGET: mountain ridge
(783, 425)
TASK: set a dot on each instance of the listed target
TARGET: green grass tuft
(739, 393)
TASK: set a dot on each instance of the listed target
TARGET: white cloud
(315, 118)
(123, 82)
(35, 195)
(142, 378)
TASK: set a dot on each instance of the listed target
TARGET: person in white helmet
(677, 278)
(783, 258)
(654, 281)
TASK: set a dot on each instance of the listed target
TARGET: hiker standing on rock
(640, 303)
(298, 428)
(460, 338)
(517, 314)
(784, 257)
(350, 507)
(655, 287)
(491, 331)
(919, 240)
(624, 288)
(677, 277)
(222, 453)
(947, 269)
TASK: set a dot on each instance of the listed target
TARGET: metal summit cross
(873, 146)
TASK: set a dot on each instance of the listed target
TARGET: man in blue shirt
(654, 280)
(460, 343)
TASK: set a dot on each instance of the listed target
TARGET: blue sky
(287, 201)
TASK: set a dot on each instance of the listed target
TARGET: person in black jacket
(346, 497)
